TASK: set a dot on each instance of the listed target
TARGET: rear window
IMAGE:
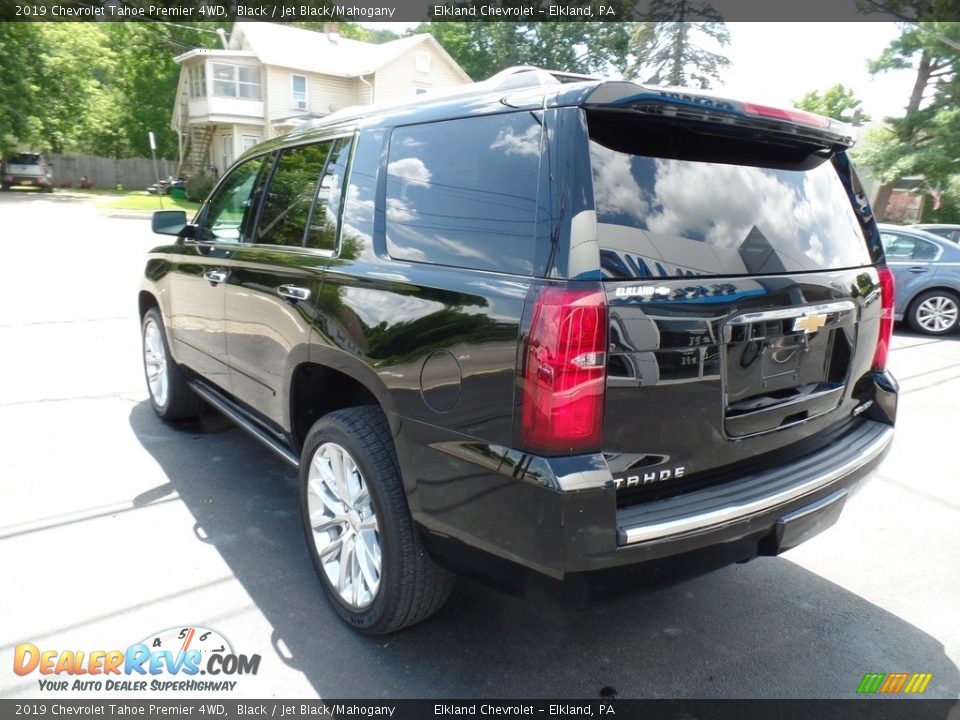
(663, 211)
(24, 159)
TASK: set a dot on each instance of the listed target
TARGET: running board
(229, 409)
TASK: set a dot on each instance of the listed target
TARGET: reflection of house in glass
(758, 255)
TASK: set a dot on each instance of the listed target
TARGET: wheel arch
(318, 388)
(932, 288)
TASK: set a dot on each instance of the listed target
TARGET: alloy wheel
(346, 534)
(937, 314)
(155, 362)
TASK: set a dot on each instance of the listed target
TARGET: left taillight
(887, 294)
(565, 372)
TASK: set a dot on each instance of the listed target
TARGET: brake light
(887, 294)
(789, 114)
(565, 372)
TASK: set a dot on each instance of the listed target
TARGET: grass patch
(140, 200)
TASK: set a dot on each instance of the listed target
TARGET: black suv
(538, 332)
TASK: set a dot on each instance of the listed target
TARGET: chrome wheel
(937, 314)
(155, 362)
(345, 530)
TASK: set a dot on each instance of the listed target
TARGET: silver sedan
(926, 269)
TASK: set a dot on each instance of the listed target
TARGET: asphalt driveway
(114, 526)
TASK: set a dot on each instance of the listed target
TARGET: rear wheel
(935, 312)
(171, 397)
(359, 532)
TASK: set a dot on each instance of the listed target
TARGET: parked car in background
(948, 232)
(27, 170)
(926, 269)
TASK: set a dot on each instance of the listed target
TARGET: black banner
(222, 11)
(867, 709)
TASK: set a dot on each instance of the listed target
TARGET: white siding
(399, 79)
(323, 91)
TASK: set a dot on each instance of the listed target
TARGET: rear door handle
(917, 269)
(293, 292)
(215, 277)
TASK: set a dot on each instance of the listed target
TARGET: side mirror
(168, 222)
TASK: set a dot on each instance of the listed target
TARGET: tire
(349, 453)
(171, 397)
(4, 188)
(48, 190)
(935, 312)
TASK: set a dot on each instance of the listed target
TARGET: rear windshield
(663, 211)
(24, 159)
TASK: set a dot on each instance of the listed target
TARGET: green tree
(836, 102)
(143, 86)
(680, 44)
(20, 92)
(925, 141)
(70, 69)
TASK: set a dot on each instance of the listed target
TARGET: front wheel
(935, 312)
(170, 395)
(359, 532)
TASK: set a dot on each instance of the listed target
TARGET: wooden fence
(107, 173)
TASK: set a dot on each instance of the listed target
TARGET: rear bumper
(565, 525)
(773, 492)
(27, 180)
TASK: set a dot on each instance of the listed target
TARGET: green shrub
(198, 187)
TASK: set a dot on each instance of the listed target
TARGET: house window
(236, 81)
(298, 92)
(248, 141)
(196, 81)
(423, 61)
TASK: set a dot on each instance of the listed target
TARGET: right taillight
(565, 371)
(886, 319)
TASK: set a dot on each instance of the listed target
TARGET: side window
(228, 212)
(904, 248)
(286, 205)
(326, 212)
(923, 250)
(463, 192)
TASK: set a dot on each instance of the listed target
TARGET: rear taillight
(886, 319)
(565, 372)
(789, 114)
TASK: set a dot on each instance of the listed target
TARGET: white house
(273, 77)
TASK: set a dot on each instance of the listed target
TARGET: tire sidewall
(915, 309)
(329, 430)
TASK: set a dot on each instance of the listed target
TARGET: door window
(228, 213)
(326, 212)
(286, 206)
(904, 248)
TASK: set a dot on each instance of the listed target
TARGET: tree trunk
(920, 84)
(883, 199)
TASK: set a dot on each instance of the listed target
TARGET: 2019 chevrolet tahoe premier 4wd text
(576, 332)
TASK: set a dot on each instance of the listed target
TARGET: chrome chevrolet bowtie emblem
(810, 323)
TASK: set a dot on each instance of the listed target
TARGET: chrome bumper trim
(753, 494)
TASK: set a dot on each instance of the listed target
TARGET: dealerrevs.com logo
(172, 659)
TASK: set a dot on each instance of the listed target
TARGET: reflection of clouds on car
(525, 143)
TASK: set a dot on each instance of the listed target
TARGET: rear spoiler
(682, 104)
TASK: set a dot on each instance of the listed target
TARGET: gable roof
(325, 53)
